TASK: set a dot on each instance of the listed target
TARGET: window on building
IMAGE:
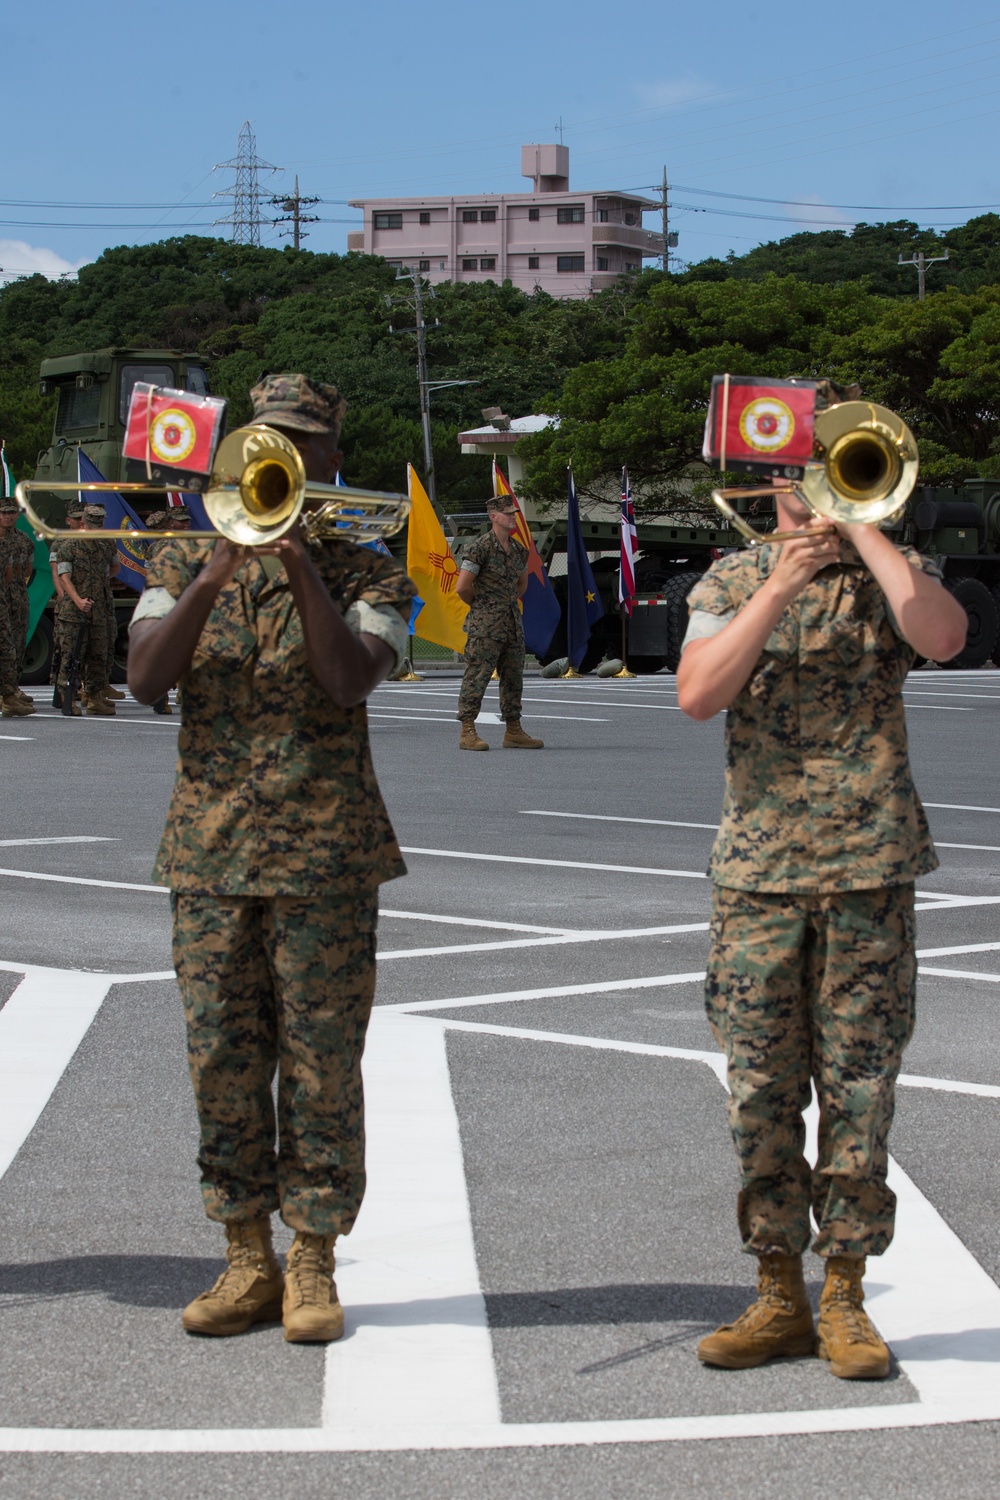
(602, 216)
(387, 221)
(533, 215)
(488, 263)
(425, 217)
(151, 374)
(630, 218)
(423, 265)
(631, 265)
(569, 263)
(469, 216)
(470, 265)
(397, 265)
(488, 216)
(532, 262)
(602, 262)
(570, 213)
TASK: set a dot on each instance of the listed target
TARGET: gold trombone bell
(257, 491)
(864, 468)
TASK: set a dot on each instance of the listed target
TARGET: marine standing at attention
(83, 568)
(275, 845)
(811, 969)
(491, 580)
(16, 557)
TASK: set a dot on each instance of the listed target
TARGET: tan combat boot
(111, 692)
(248, 1291)
(13, 708)
(516, 739)
(469, 739)
(98, 704)
(29, 702)
(311, 1312)
(845, 1336)
(778, 1325)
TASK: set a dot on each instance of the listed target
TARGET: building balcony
(646, 241)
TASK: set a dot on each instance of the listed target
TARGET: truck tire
(38, 656)
(677, 590)
(984, 622)
(597, 646)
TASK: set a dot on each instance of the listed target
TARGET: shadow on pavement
(167, 1281)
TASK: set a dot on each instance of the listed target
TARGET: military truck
(959, 528)
(92, 393)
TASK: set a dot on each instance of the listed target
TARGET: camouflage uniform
(20, 555)
(276, 842)
(811, 973)
(496, 634)
(8, 646)
(87, 562)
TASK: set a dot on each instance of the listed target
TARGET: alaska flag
(540, 607)
(118, 516)
(583, 602)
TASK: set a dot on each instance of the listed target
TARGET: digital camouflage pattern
(8, 647)
(88, 564)
(286, 984)
(275, 793)
(21, 556)
(496, 634)
(819, 794)
(817, 988)
(290, 400)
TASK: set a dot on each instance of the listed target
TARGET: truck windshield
(196, 380)
(150, 374)
(78, 409)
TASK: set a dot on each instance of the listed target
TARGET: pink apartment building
(569, 244)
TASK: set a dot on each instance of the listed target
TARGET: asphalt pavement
(550, 1224)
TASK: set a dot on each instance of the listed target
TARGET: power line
(245, 192)
(917, 208)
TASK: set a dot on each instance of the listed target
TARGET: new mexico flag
(431, 565)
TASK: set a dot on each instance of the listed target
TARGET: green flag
(40, 588)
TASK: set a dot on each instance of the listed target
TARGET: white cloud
(669, 93)
(833, 218)
(18, 258)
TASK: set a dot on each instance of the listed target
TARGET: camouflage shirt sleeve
(472, 557)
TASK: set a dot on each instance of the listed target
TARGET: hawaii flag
(432, 566)
(539, 605)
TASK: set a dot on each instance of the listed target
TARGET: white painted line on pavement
(24, 738)
(41, 1026)
(983, 848)
(72, 838)
(959, 974)
(418, 1348)
(938, 708)
(663, 708)
(537, 812)
(9, 967)
(115, 885)
(505, 997)
(961, 807)
(933, 693)
(563, 864)
(430, 916)
(604, 935)
(952, 952)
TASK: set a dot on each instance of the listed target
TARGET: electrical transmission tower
(293, 214)
(245, 192)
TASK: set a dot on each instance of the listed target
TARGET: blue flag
(118, 516)
(583, 602)
(377, 545)
(199, 515)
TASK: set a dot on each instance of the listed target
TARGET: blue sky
(111, 107)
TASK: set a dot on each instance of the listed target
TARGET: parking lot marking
(72, 838)
(488, 922)
(564, 864)
(959, 974)
(115, 885)
(538, 812)
(554, 992)
(961, 807)
(602, 935)
(418, 1347)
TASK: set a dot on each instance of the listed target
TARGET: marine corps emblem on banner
(759, 426)
(171, 435)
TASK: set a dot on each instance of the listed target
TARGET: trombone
(257, 491)
(864, 468)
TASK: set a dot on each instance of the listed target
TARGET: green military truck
(959, 528)
(92, 394)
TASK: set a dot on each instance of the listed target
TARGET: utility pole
(293, 214)
(245, 192)
(426, 385)
(922, 261)
(666, 224)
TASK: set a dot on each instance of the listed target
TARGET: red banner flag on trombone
(626, 575)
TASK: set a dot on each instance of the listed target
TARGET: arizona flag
(626, 574)
(540, 606)
(432, 566)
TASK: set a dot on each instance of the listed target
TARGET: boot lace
(843, 1300)
(309, 1276)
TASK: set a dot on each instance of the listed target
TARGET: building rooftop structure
(569, 244)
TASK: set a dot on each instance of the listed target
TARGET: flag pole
(409, 675)
(624, 673)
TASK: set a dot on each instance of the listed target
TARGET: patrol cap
(156, 520)
(75, 511)
(177, 513)
(94, 513)
(8, 503)
(295, 401)
(502, 503)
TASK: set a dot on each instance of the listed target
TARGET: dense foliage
(628, 371)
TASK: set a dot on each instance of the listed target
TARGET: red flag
(760, 426)
(522, 530)
(172, 429)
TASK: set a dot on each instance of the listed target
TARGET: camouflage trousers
(17, 598)
(8, 648)
(279, 985)
(813, 990)
(482, 655)
(93, 661)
